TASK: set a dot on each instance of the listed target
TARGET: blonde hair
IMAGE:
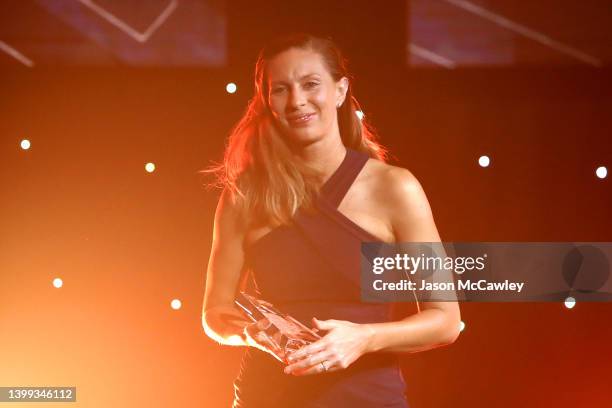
(259, 168)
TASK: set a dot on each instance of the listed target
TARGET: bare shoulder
(392, 182)
(402, 200)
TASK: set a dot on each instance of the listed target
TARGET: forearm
(225, 325)
(422, 331)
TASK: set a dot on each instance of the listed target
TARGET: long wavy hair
(258, 166)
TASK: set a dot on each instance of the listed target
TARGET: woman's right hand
(265, 337)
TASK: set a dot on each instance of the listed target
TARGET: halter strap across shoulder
(334, 190)
(341, 180)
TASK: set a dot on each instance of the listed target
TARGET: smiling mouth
(301, 120)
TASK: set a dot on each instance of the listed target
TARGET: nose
(297, 99)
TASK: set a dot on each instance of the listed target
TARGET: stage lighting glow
(484, 161)
(570, 302)
(461, 326)
(601, 172)
(58, 283)
(150, 167)
(231, 87)
(25, 144)
(359, 114)
(175, 304)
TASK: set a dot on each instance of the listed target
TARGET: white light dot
(484, 161)
(58, 283)
(359, 114)
(461, 326)
(601, 172)
(25, 144)
(231, 87)
(175, 304)
(570, 302)
(150, 167)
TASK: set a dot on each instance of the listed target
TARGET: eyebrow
(301, 78)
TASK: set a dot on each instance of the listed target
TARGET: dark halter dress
(312, 269)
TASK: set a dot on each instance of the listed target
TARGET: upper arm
(412, 221)
(410, 213)
(227, 254)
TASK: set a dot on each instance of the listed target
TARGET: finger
(326, 324)
(322, 366)
(309, 362)
(308, 350)
(261, 339)
(257, 326)
(263, 324)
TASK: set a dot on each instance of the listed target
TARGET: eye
(277, 89)
(311, 84)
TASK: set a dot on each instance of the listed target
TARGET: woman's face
(302, 95)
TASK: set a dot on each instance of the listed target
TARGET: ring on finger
(323, 365)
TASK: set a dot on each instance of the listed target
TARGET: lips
(302, 119)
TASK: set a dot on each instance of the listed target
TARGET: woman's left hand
(344, 343)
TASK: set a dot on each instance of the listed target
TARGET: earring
(339, 105)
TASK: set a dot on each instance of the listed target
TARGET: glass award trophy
(278, 333)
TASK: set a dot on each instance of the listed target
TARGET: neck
(324, 156)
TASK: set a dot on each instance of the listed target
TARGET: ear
(341, 87)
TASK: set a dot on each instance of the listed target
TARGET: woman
(305, 183)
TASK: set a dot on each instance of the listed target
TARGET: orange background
(79, 206)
